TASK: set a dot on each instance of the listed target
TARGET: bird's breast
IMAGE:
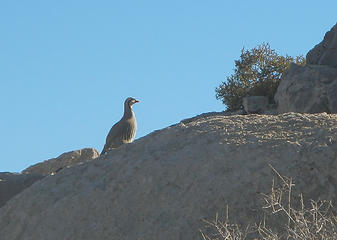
(130, 130)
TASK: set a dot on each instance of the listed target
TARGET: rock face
(13, 183)
(64, 160)
(163, 185)
(308, 89)
(325, 53)
(312, 88)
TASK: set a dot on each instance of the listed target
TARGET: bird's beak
(136, 101)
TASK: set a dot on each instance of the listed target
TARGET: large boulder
(312, 88)
(13, 183)
(308, 89)
(67, 159)
(163, 185)
(325, 53)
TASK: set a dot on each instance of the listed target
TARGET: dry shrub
(216, 230)
(296, 220)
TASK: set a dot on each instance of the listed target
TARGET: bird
(124, 131)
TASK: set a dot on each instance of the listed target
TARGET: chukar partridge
(123, 131)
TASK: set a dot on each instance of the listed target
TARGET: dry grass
(296, 220)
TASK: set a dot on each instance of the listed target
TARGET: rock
(13, 183)
(312, 88)
(64, 160)
(308, 89)
(325, 53)
(255, 104)
(163, 185)
(212, 114)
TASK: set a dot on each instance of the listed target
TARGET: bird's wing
(114, 136)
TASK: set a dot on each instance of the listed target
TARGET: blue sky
(67, 66)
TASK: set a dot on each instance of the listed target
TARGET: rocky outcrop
(308, 89)
(13, 183)
(325, 53)
(312, 88)
(64, 160)
(163, 185)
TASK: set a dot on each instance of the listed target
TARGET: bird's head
(130, 101)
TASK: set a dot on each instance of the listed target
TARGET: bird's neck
(128, 113)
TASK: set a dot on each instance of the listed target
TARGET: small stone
(255, 104)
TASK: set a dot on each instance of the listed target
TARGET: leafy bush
(256, 73)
